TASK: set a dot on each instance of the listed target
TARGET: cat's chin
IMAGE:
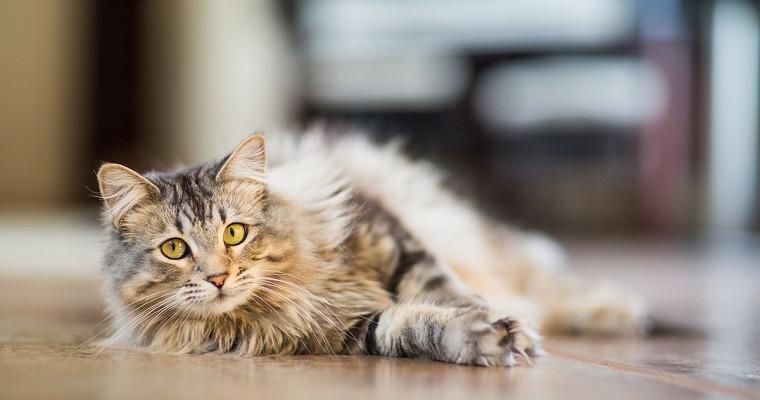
(222, 303)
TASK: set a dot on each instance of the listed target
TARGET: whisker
(314, 325)
(177, 311)
(331, 305)
(137, 319)
(113, 313)
(147, 302)
(333, 321)
(147, 326)
(321, 299)
(329, 320)
(256, 298)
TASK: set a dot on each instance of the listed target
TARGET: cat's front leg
(456, 335)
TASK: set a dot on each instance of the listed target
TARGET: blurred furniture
(565, 115)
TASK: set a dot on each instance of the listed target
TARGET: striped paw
(501, 343)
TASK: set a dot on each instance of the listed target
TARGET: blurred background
(581, 118)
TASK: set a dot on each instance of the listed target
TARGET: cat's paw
(600, 311)
(501, 343)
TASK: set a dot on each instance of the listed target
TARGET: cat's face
(199, 241)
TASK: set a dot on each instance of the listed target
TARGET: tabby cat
(316, 244)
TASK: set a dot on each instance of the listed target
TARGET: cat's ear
(247, 162)
(121, 189)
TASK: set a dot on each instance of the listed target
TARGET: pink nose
(218, 279)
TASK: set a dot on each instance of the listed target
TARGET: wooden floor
(705, 299)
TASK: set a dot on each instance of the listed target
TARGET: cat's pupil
(174, 246)
(232, 232)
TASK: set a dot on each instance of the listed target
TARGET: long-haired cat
(332, 245)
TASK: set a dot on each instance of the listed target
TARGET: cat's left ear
(247, 162)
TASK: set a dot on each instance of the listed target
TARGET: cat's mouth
(224, 301)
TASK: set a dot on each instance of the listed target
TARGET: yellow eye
(234, 234)
(174, 248)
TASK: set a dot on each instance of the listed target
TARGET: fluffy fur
(351, 248)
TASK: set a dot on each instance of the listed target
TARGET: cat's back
(411, 191)
(379, 172)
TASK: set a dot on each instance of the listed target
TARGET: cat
(319, 244)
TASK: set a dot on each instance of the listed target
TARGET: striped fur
(351, 249)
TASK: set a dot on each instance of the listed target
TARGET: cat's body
(348, 248)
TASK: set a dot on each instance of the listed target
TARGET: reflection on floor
(707, 344)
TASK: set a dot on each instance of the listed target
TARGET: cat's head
(198, 240)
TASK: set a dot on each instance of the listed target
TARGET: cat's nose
(218, 279)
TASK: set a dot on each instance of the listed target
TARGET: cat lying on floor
(317, 245)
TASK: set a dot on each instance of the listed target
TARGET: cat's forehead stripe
(191, 193)
(178, 221)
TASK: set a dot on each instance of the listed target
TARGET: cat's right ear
(247, 162)
(121, 189)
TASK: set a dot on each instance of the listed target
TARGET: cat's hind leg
(600, 309)
(531, 268)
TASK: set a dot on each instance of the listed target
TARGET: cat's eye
(234, 234)
(174, 248)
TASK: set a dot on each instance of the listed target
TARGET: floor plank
(61, 371)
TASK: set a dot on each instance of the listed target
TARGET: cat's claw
(495, 344)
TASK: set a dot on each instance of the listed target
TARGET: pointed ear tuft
(247, 162)
(121, 189)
